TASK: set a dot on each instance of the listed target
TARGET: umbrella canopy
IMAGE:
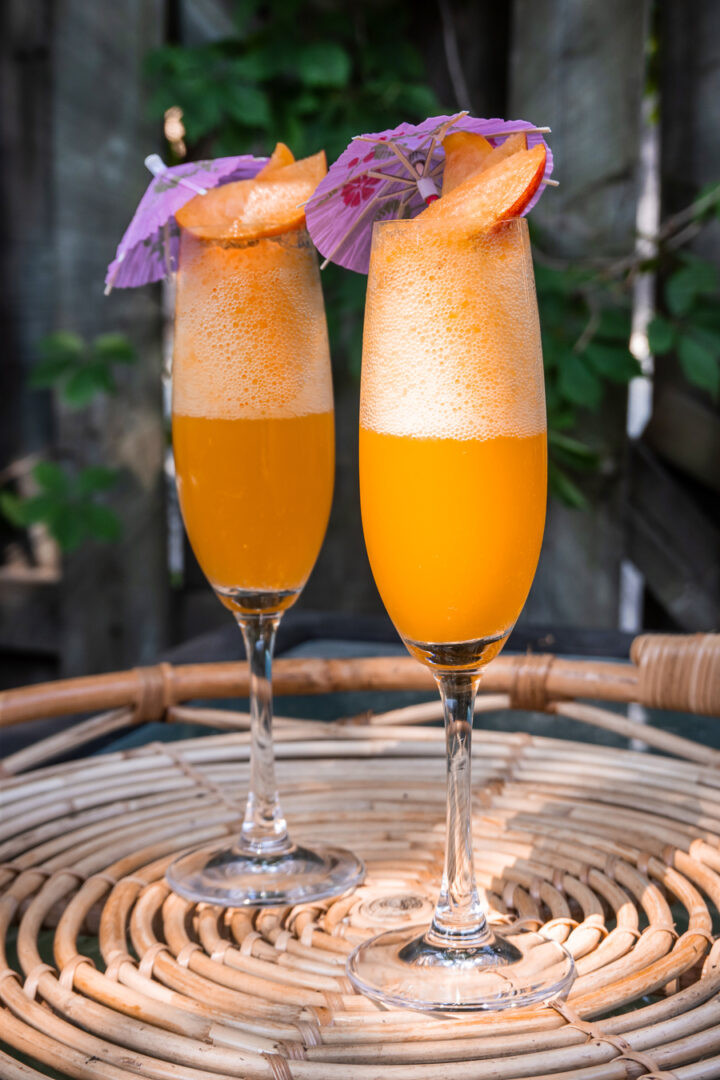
(393, 174)
(148, 250)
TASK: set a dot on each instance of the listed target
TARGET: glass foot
(233, 878)
(513, 969)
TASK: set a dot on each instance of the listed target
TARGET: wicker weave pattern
(615, 853)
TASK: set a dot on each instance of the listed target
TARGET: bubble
(460, 360)
(250, 332)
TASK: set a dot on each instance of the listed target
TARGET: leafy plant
(68, 502)
(585, 336)
(691, 327)
(296, 74)
(585, 314)
(80, 371)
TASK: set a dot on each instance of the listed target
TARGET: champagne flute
(453, 465)
(253, 439)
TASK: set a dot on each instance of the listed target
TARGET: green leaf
(699, 364)
(615, 324)
(40, 508)
(565, 489)
(689, 282)
(711, 192)
(324, 64)
(417, 99)
(248, 105)
(101, 522)
(52, 478)
(306, 103)
(114, 348)
(578, 382)
(573, 452)
(12, 508)
(59, 353)
(96, 478)
(708, 335)
(615, 363)
(50, 371)
(661, 336)
(62, 343)
(66, 525)
(83, 385)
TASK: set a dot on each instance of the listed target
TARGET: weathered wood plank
(114, 596)
(26, 254)
(674, 543)
(579, 68)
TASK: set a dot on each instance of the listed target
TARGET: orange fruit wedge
(465, 154)
(281, 156)
(267, 205)
(492, 195)
(511, 145)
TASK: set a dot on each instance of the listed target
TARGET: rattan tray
(614, 852)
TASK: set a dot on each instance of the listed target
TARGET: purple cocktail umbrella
(148, 250)
(393, 174)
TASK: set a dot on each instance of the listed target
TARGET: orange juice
(453, 530)
(255, 495)
(252, 410)
(453, 460)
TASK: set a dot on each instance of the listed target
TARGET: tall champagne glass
(453, 490)
(253, 438)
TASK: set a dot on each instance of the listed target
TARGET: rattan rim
(614, 852)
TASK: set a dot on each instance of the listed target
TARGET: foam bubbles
(451, 345)
(250, 330)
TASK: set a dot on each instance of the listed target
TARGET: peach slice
(465, 154)
(491, 195)
(267, 205)
(282, 155)
(511, 145)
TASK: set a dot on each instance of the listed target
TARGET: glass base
(511, 970)
(233, 878)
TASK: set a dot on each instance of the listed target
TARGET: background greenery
(313, 74)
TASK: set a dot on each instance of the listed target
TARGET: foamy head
(250, 330)
(451, 346)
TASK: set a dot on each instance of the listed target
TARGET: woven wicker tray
(616, 853)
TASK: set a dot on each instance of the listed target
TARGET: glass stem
(264, 830)
(459, 920)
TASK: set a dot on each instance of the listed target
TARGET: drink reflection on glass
(253, 439)
(453, 489)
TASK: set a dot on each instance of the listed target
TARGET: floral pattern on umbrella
(148, 251)
(393, 179)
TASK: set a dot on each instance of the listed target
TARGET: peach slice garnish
(491, 195)
(281, 156)
(465, 154)
(267, 205)
(511, 145)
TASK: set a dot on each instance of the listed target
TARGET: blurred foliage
(68, 502)
(585, 324)
(306, 72)
(585, 315)
(316, 73)
(77, 370)
(690, 328)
